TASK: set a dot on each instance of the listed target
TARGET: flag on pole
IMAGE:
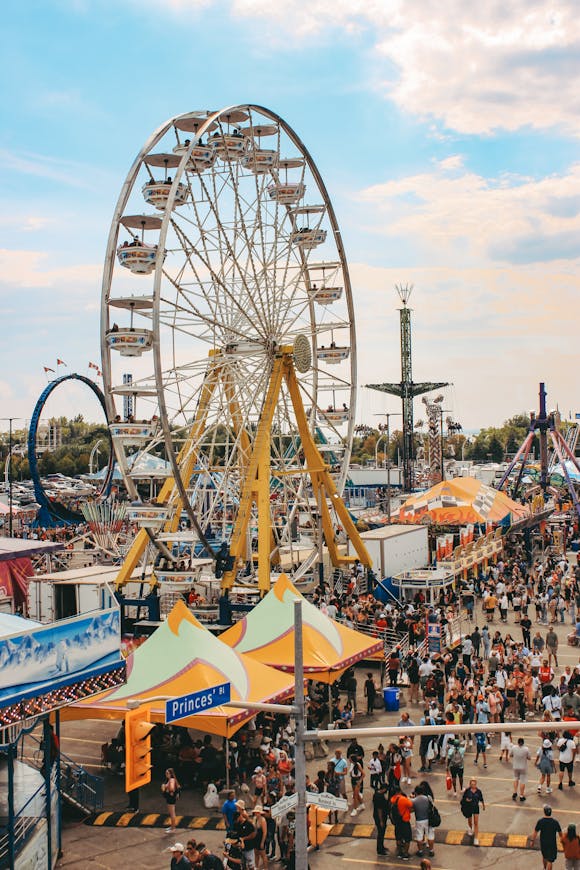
(60, 362)
(93, 365)
(48, 369)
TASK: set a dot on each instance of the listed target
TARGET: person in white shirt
(567, 749)
(520, 755)
(553, 703)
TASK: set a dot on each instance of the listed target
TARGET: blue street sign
(197, 702)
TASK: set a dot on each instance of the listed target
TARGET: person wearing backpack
(401, 807)
(456, 763)
(567, 748)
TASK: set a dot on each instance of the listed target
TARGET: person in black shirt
(209, 861)
(381, 816)
(548, 829)
(370, 691)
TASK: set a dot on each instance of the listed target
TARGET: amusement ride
(227, 289)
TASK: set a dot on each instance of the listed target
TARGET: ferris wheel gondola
(220, 275)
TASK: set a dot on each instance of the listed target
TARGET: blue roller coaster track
(52, 513)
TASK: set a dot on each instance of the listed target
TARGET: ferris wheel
(225, 257)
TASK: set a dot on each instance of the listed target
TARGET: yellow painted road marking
(201, 822)
(337, 830)
(149, 819)
(454, 838)
(517, 841)
(102, 818)
(363, 830)
(486, 838)
(221, 826)
(124, 820)
(381, 861)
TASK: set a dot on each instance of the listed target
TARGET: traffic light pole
(301, 841)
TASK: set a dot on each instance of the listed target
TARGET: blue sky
(447, 137)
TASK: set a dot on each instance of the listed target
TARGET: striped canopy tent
(266, 634)
(181, 657)
(459, 501)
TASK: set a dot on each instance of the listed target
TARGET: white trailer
(397, 548)
(64, 594)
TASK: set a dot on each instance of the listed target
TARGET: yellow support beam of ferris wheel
(257, 485)
(138, 546)
(326, 485)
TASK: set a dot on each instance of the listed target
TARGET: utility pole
(406, 389)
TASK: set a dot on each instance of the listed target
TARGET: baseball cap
(177, 847)
(547, 744)
(258, 770)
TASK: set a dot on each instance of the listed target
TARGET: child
(480, 747)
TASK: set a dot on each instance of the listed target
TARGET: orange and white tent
(460, 501)
(266, 634)
(181, 657)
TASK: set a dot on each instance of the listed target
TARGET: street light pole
(8, 470)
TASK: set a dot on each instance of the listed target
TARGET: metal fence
(83, 789)
(26, 820)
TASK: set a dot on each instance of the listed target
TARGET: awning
(267, 635)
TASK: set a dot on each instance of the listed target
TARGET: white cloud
(453, 215)
(29, 269)
(473, 68)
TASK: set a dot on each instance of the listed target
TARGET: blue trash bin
(575, 546)
(391, 698)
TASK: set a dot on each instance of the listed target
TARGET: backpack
(434, 817)
(396, 816)
(456, 759)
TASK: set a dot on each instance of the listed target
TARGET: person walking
(471, 800)
(567, 750)
(356, 773)
(456, 763)
(571, 847)
(424, 832)
(381, 816)
(548, 829)
(552, 646)
(545, 764)
(520, 756)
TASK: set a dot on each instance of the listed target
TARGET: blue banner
(40, 660)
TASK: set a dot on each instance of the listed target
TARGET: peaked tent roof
(266, 634)
(458, 501)
(181, 657)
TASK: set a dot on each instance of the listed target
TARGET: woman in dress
(545, 765)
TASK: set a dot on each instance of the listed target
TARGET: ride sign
(197, 702)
